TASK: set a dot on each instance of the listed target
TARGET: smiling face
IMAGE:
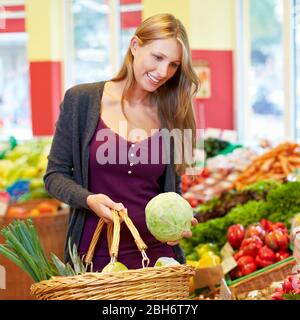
(155, 62)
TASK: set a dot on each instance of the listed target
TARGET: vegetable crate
(147, 283)
(52, 230)
(262, 278)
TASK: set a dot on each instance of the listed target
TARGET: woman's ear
(134, 43)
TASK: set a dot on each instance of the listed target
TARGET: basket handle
(113, 237)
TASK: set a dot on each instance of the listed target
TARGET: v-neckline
(128, 142)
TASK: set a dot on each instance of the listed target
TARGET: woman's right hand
(102, 205)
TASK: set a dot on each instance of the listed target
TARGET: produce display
(245, 197)
(260, 294)
(205, 255)
(214, 185)
(236, 161)
(41, 208)
(289, 289)
(258, 246)
(216, 146)
(220, 206)
(22, 168)
(280, 205)
(218, 176)
(276, 163)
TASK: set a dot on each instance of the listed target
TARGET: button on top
(131, 164)
(133, 145)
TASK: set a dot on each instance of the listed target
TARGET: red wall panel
(46, 96)
(219, 107)
(13, 25)
(131, 19)
(14, 8)
(130, 1)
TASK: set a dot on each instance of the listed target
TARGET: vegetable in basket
(166, 261)
(114, 267)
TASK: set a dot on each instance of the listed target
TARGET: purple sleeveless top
(131, 178)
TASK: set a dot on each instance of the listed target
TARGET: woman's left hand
(185, 234)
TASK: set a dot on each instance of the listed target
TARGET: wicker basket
(262, 279)
(147, 283)
(52, 230)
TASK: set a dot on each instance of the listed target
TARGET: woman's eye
(174, 65)
(158, 58)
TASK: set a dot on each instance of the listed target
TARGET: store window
(15, 115)
(92, 41)
(267, 70)
(100, 35)
(266, 93)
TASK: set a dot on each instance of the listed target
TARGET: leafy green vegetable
(284, 202)
(23, 248)
(20, 248)
(263, 186)
(168, 215)
(213, 146)
(291, 296)
(219, 207)
(281, 203)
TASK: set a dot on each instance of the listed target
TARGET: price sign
(225, 292)
(228, 262)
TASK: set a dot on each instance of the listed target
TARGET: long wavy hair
(173, 98)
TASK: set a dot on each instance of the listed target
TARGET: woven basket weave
(147, 283)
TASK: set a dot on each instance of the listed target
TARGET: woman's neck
(136, 96)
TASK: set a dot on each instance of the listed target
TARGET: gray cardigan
(66, 177)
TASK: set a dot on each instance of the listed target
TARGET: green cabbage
(168, 215)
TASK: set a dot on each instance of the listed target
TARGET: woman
(152, 91)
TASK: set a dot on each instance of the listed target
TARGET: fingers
(106, 214)
(173, 243)
(187, 234)
(194, 221)
(119, 206)
(111, 204)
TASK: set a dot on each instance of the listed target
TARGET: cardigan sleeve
(58, 179)
(178, 184)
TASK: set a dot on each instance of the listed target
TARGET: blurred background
(250, 48)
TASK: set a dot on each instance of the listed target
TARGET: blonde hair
(173, 98)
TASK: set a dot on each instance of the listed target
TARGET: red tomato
(277, 240)
(246, 265)
(235, 235)
(281, 255)
(255, 229)
(265, 257)
(250, 246)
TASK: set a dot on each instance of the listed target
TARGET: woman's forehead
(169, 47)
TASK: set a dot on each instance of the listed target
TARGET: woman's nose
(163, 70)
